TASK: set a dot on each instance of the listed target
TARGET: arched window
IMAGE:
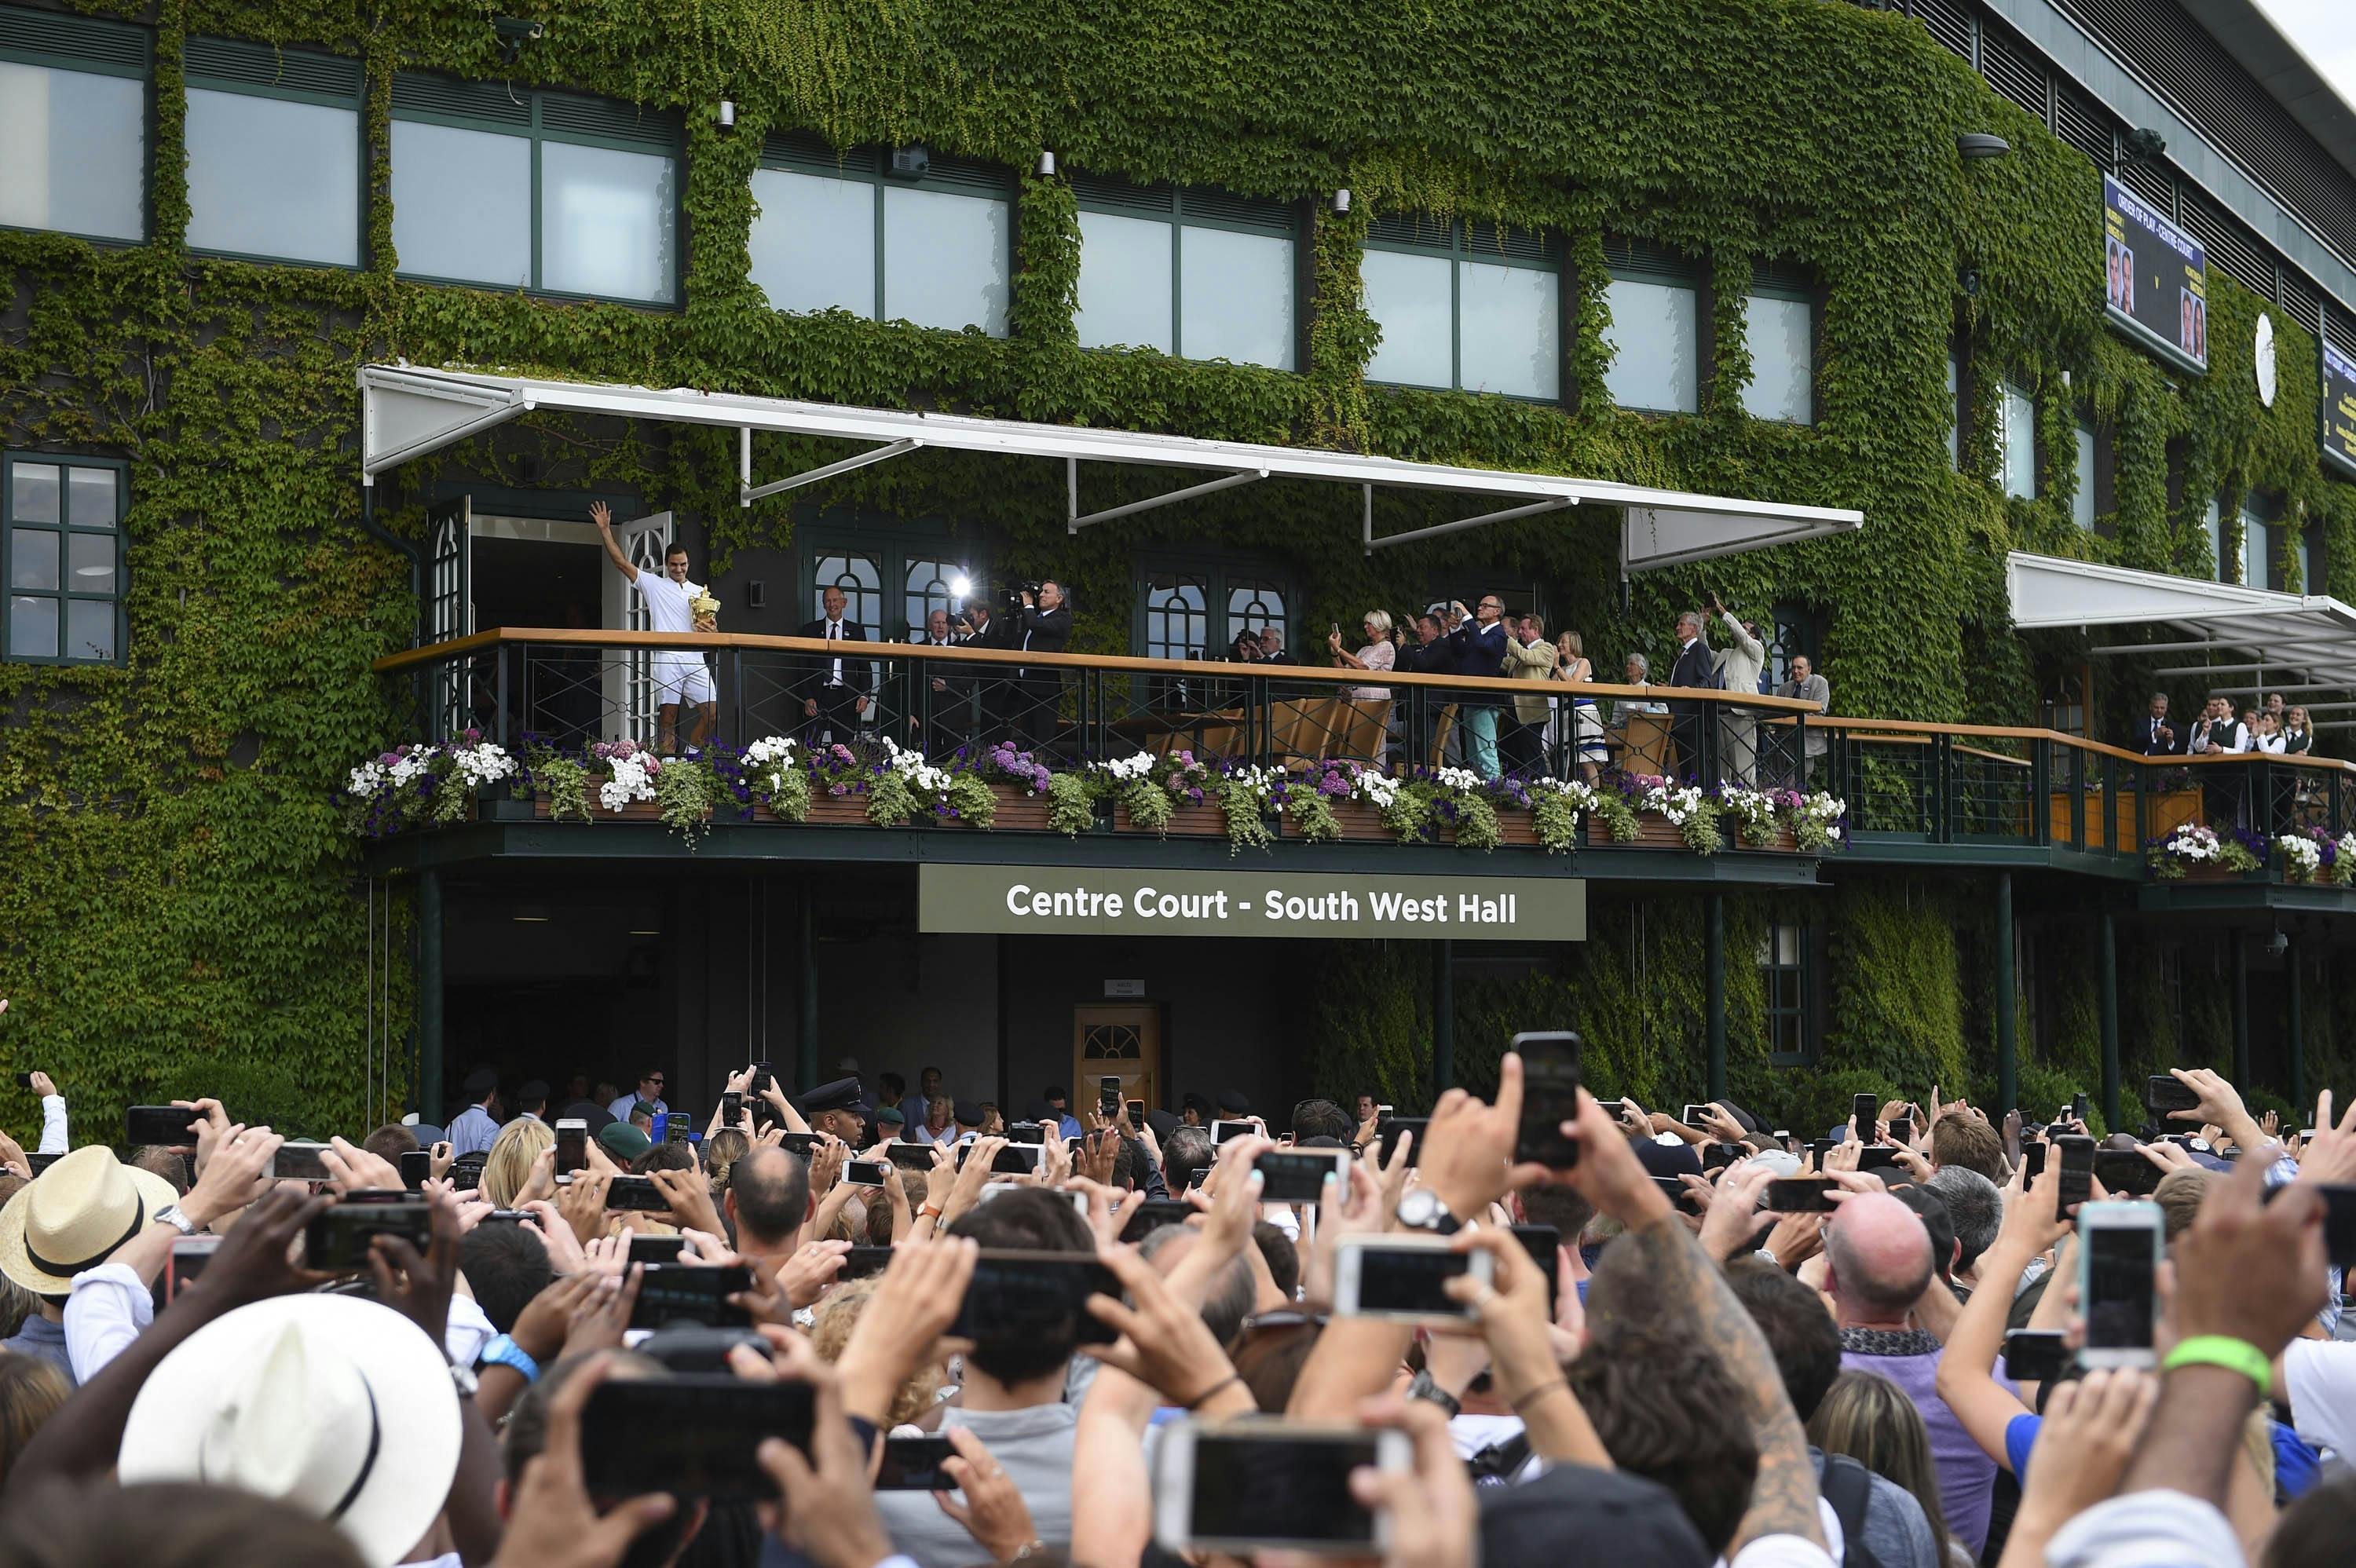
(1256, 605)
(930, 586)
(1177, 615)
(861, 582)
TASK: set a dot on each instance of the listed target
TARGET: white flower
(1457, 778)
(628, 781)
(2300, 853)
(770, 749)
(366, 780)
(1377, 790)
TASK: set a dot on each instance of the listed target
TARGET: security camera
(518, 29)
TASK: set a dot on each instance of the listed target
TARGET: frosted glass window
(1234, 297)
(1409, 298)
(2018, 414)
(33, 559)
(605, 222)
(2214, 526)
(1124, 283)
(60, 560)
(90, 630)
(2081, 504)
(73, 152)
(1512, 332)
(462, 204)
(1782, 359)
(945, 259)
(33, 628)
(813, 242)
(2257, 555)
(272, 177)
(1657, 342)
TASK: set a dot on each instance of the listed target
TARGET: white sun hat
(337, 1406)
(74, 1216)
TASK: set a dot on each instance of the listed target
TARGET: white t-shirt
(2320, 1376)
(667, 601)
(1793, 1550)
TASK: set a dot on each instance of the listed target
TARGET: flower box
(634, 811)
(1516, 830)
(838, 810)
(1187, 820)
(1654, 831)
(1784, 842)
(1019, 810)
(1360, 821)
(2212, 874)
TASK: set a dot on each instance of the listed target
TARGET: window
(846, 233)
(893, 585)
(551, 191)
(1783, 951)
(1956, 410)
(2212, 524)
(2017, 437)
(1655, 330)
(1202, 273)
(2258, 513)
(1779, 326)
(1472, 307)
(2081, 500)
(61, 554)
(1191, 609)
(274, 153)
(73, 125)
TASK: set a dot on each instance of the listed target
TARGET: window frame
(803, 153)
(1463, 245)
(1800, 1012)
(1790, 286)
(1222, 573)
(92, 29)
(63, 595)
(2261, 511)
(196, 77)
(2086, 470)
(2007, 389)
(535, 135)
(1165, 202)
(1643, 261)
(894, 546)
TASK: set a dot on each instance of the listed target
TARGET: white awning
(2245, 639)
(408, 412)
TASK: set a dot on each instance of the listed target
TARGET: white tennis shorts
(681, 677)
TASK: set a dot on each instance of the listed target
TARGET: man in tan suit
(1528, 657)
(1738, 665)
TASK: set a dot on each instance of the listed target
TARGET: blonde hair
(1870, 1418)
(831, 1329)
(31, 1389)
(722, 1150)
(1570, 641)
(509, 1165)
(1380, 620)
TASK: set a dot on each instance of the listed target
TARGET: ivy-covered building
(1840, 259)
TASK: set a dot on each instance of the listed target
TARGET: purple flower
(389, 758)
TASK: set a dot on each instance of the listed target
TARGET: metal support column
(806, 1035)
(1443, 1018)
(429, 997)
(1714, 969)
(2106, 1000)
(2241, 1010)
(2008, 1058)
(2298, 1023)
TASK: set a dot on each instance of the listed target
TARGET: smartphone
(2118, 1253)
(336, 1238)
(1391, 1126)
(1800, 1195)
(658, 1131)
(1241, 1487)
(1819, 1148)
(865, 1172)
(655, 1249)
(416, 1166)
(571, 1145)
(2035, 1355)
(1155, 1212)
(2124, 1172)
(2076, 1151)
(798, 1143)
(696, 1292)
(1866, 1110)
(164, 1125)
(23, 1080)
(299, 1162)
(914, 1465)
(2078, 1105)
(1036, 1296)
(188, 1260)
(763, 1078)
(1297, 1175)
(1136, 1113)
(1403, 1278)
(41, 1162)
(693, 1434)
(1011, 1160)
(2032, 1160)
(1078, 1201)
(1878, 1157)
(677, 1125)
(909, 1156)
(2164, 1092)
(465, 1171)
(2338, 1222)
(1718, 1156)
(1026, 1132)
(731, 1108)
(636, 1193)
(859, 1263)
(693, 1348)
(1670, 1188)
(1225, 1128)
(1550, 1063)
(1544, 1244)
(1108, 1097)
(1691, 1115)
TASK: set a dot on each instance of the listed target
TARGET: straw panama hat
(74, 1216)
(335, 1405)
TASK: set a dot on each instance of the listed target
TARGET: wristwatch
(170, 1215)
(1421, 1210)
(1423, 1388)
(504, 1351)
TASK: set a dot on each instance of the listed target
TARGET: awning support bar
(1226, 481)
(1370, 518)
(749, 493)
(1552, 504)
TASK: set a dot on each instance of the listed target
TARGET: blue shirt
(1069, 1127)
(41, 1338)
(620, 1109)
(472, 1131)
(1479, 650)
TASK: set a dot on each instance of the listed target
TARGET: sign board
(2340, 409)
(1063, 901)
(1124, 988)
(2155, 278)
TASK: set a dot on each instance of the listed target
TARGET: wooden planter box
(637, 811)
(1208, 820)
(1019, 811)
(837, 810)
(1517, 830)
(2211, 874)
(1654, 831)
(1360, 822)
(1782, 843)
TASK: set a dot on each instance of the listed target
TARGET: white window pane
(270, 177)
(946, 259)
(1512, 334)
(33, 628)
(2213, 526)
(1656, 362)
(73, 145)
(2257, 558)
(1954, 411)
(2082, 504)
(2019, 415)
(1234, 297)
(462, 204)
(814, 243)
(93, 562)
(605, 222)
(90, 629)
(1124, 283)
(1781, 359)
(33, 559)
(1409, 298)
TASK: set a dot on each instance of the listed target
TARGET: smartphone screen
(2077, 1154)
(1152, 1215)
(336, 1238)
(1800, 1195)
(864, 1172)
(859, 1263)
(1230, 1127)
(1550, 1063)
(1017, 1294)
(1137, 1113)
(655, 1249)
(1544, 1244)
(1025, 1132)
(1014, 1160)
(636, 1193)
(1109, 1096)
(164, 1125)
(2032, 1160)
(799, 1143)
(2124, 1172)
(1878, 1157)
(571, 1145)
(696, 1292)
(1866, 1112)
(1298, 1175)
(465, 1171)
(1408, 1280)
(2035, 1355)
(1391, 1127)
(914, 1465)
(416, 1165)
(677, 1125)
(2164, 1092)
(1718, 1156)
(910, 1157)
(41, 1162)
(1280, 1486)
(692, 1433)
(2118, 1300)
(189, 1257)
(299, 1162)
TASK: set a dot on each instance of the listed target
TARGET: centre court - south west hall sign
(1056, 900)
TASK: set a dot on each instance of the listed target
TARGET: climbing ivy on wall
(177, 892)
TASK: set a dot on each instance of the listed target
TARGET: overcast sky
(2325, 31)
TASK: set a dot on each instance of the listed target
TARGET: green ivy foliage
(178, 892)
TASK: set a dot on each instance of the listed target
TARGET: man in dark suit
(941, 690)
(2152, 735)
(1694, 668)
(1043, 627)
(833, 690)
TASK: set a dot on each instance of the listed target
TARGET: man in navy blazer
(833, 690)
(1694, 668)
(1478, 646)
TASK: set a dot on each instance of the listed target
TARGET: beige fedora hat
(74, 1215)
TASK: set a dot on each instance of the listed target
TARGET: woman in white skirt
(1586, 745)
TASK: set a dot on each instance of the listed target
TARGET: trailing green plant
(774, 774)
(1246, 798)
(686, 790)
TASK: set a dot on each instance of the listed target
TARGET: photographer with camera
(1043, 626)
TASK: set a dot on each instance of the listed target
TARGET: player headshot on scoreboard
(2127, 279)
(2184, 321)
(2111, 270)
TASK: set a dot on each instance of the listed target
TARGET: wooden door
(1121, 1039)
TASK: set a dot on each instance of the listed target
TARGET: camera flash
(959, 586)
